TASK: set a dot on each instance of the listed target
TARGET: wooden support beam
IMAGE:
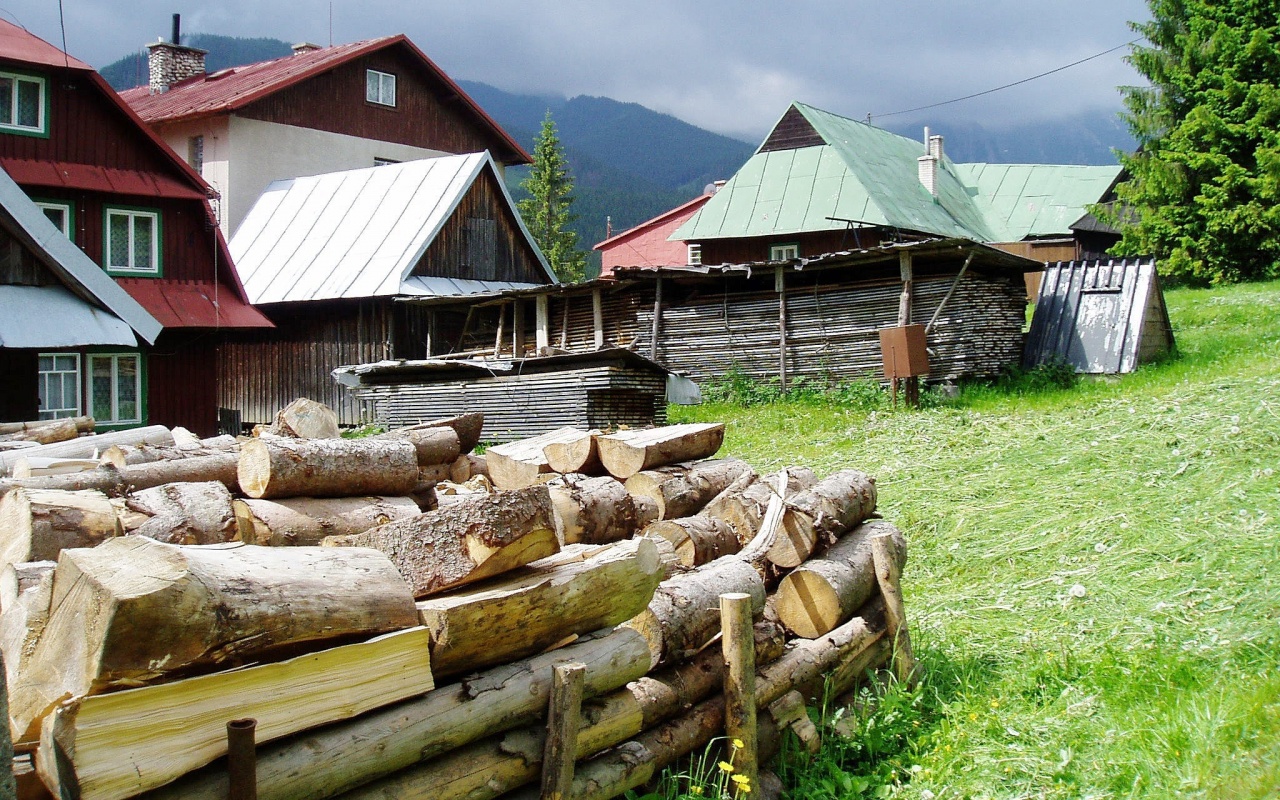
(564, 324)
(597, 317)
(933, 321)
(564, 719)
(542, 316)
(888, 575)
(497, 340)
(907, 273)
(740, 684)
(780, 286)
(517, 329)
(657, 319)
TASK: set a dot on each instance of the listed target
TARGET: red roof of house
(234, 88)
(19, 45)
(193, 304)
(690, 207)
(69, 175)
(646, 244)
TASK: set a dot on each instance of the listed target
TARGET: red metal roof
(234, 88)
(19, 45)
(68, 175)
(193, 304)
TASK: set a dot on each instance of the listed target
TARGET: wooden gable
(792, 132)
(482, 240)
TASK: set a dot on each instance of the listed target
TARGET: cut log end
(812, 606)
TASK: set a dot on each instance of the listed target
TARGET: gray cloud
(724, 65)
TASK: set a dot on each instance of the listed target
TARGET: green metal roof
(870, 175)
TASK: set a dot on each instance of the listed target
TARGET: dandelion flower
(737, 744)
(725, 766)
(995, 703)
(695, 789)
(741, 780)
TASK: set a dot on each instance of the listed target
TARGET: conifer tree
(547, 209)
(1203, 192)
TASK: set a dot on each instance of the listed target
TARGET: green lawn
(1094, 573)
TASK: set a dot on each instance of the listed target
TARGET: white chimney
(927, 168)
(935, 145)
(305, 47)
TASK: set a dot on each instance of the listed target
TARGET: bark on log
(742, 504)
(685, 611)
(467, 426)
(327, 467)
(125, 455)
(435, 446)
(89, 446)
(477, 538)
(625, 453)
(36, 524)
(696, 540)
(499, 764)
(516, 465)
(182, 513)
(682, 490)
(58, 430)
(822, 593)
(133, 610)
(578, 455)
(829, 509)
(306, 419)
(592, 510)
(293, 521)
(117, 745)
(83, 425)
(539, 605)
(337, 758)
(467, 467)
(117, 482)
(36, 467)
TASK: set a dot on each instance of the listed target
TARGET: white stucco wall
(262, 152)
(217, 151)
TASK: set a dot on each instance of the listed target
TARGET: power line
(1007, 85)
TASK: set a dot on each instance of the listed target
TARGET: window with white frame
(115, 388)
(380, 88)
(695, 255)
(784, 252)
(59, 214)
(195, 153)
(59, 385)
(23, 104)
(132, 241)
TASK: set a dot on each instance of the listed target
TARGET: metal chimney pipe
(177, 29)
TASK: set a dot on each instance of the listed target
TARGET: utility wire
(1007, 85)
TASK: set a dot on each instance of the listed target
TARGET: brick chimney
(305, 47)
(170, 62)
(927, 164)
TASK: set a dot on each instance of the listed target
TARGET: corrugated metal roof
(1029, 200)
(19, 45)
(76, 270)
(193, 304)
(91, 177)
(357, 233)
(234, 88)
(870, 175)
(420, 286)
(51, 316)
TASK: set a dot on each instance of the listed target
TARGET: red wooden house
(649, 245)
(138, 211)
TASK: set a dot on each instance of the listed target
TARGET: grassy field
(1094, 573)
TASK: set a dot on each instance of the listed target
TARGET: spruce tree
(547, 209)
(1203, 187)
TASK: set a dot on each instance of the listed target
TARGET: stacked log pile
(399, 628)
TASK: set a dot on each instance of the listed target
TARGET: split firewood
(124, 455)
(742, 504)
(467, 426)
(89, 446)
(336, 758)
(35, 467)
(592, 510)
(133, 610)
(297, 521)
(482, 536)
(697, 540)
(180, 513)
(306, 419)
(823, 513)
(516, 465)
(117, 745)
(27, 590)
(468, 466)
(536, 606)
(822, 593)
(502, 763)
(327, 467)
(578, 455)
(17, 578)
(685, 611)
(682, 490)
(117, 482)
(83, 425)
(37, 524)
(627, 452)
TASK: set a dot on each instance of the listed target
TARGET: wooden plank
(117, 745)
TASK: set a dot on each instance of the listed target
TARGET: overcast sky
(727, 65)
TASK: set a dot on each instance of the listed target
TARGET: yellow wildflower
(725, 766)
(695, 789)
(995, 703)
(738, 744)
(741, 780)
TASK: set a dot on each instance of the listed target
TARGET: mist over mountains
(631, 163)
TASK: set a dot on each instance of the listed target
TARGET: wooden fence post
(739, 645)
(564, 718)
(888, 576)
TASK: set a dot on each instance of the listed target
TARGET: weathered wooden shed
(1101, 317)
(519, 397)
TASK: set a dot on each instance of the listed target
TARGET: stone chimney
(305, 47)
(170, 62)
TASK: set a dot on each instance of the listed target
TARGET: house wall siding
(748, 250)
(182, 387)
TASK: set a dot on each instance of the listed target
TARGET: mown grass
(1092, 580)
